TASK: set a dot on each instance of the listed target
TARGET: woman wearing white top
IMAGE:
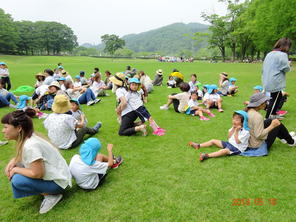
(146, 81)
(98, 86)
(38, 167)
(4, 74)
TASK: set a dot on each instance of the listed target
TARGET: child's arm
(110, 154)
(236, 131)
(81, 123)
(231, 131)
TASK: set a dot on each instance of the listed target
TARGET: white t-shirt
(171, 82)
(134, 99)
(243, 136)
(61, 129)
(121, 92)
(193, 86)
(4, 72)
(48, 80)
(41, 90)
(212, 97)
(69, 78)
(95, 87)
(183, 99)
(87, 176)
(72, 94)
(55, 165)
(77, 84)
(192, 103)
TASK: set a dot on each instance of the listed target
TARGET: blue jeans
(23, 186)
(10, 96)
(3, 101)
(87, 96)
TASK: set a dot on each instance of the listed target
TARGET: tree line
(250, 29)
(35, 38)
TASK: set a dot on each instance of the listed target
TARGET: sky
(90, 19)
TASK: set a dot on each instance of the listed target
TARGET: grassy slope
(161, 179)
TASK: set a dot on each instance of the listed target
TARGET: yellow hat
(61, 104)
(118, 79)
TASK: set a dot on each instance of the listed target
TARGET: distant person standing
(4, 74)
(275, 66)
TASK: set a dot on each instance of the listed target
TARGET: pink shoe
(211, 114)
(281, 112)
(158, 133)
(204, 118)
(161, 129)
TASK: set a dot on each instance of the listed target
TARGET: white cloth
(56, 168)
(95, 87)
(193, 86)
(61, 129)
(48, 80)
(147, 82)
(41, 90)
(134, 99)
(4, 72)
(121, 92)
(72, 94)
(192, 103)
(69, 78)
(212, 97)
(77, 84)
(87, 176)
(243, 137)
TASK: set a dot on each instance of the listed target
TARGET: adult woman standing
(38, 167)
(264, 132)
(4, 74)
(275, 66)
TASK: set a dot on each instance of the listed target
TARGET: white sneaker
(97, 100)
(294, 144)
(292, 133)
(49, 202)
(164, 107)
(90, 103)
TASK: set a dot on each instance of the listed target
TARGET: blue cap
(23, 101)
(245, 115)
(60, 67)
(232, 79)
(89, 149)
(75, 101)
(2, 63)
(258, 87)
(211, 88)
(61, 79)
(207, 86)
(77, 77)
(134, 80)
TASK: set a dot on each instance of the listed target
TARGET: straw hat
(159, 72)
(40, 74)
(64, 72)
(61, 104)
(118, 78)
(56, 84)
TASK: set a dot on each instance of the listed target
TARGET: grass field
(161, 178)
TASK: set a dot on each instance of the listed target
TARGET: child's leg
(101, 158)
(222, 152)
(219, 104)
(209, 103)
(217, 143)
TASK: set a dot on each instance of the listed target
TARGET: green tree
(112, 43)
(9, 35)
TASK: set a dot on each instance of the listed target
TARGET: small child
(134, 98)
(90, 167)
(257, 89)
(232, 89)
(212, 99)
(40, 77)
(77, 82)
(238, 136)
(76, 112)
(171, 83)
(193, 83)
(194, 110)
(83, 80)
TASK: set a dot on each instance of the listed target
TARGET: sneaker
(203, 156)
(161, 129)
(211, 114)
(97, 100)
(293, 134)
(118, 162)
(220, 110)
(159, 132)
(204, 118)
(194, 145)
(90, 103)
(281, 112)
(164, 107)
(12, 106)
(2, 143)
(97, 126)
(49, 202)
(293, 144)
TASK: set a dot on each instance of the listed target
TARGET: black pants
(127, 127)
(280, 131)
(6, 83)
(176, 103)
(281, 103)
(274, 103)
(80, 135)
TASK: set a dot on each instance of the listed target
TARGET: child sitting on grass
(232, 87)
(180, 100)
(238, 137)
(134, 99)
(194, 109)
(171, 83)
(76, 112)
(212, 99)
(90, 167)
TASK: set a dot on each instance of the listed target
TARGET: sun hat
(56, 84)
(134, 80)
(75, 101)
(64, 72)
(159, 72)
(212, 88)
(118, 78)
(207, 86)
(2, 63)
(245, 115)
(89, 149)
(257, 99)
(60, 67)
(61, 79)
(258, 87)
(61, 104)
(77, 77)
(224, 74)
(232, 79)
(23, 101)
(40, 74)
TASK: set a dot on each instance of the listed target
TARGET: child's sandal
(193, 145)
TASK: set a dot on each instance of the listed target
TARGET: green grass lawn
(161, 178)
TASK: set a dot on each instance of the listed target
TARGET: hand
(12, 172)
(238, 128)
(275, 123)
(109, 147)
(9, 167)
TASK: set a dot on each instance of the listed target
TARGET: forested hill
(169, 39)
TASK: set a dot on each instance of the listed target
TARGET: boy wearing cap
(83, 80)
(76, 112)
(212, 99)
(232, 87)
(90, 167)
